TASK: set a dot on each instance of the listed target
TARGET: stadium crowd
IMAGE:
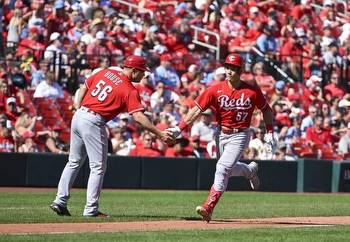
(50, 47)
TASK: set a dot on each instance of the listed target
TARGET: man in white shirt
(344, 144)
(55, 49)
(308, 121)
(203, 129)
(161, 96)
(49, 88)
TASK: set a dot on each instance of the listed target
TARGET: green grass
(131, 205)
(136, 205)
(326, 234)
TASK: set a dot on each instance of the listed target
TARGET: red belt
(232, 131)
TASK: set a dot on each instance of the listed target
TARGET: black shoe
(60, 210)
(98, 215)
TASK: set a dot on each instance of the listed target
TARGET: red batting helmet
(234, 59)
(137, 62)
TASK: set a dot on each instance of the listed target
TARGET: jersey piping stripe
(133, 111)
(86, 85)
(198, 106)
(264, 106)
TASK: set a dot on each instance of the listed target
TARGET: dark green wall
(44, 170)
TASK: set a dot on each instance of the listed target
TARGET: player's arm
(189, 118)
(270, 137)
(268, 118)
(142, 119)
(82, 91)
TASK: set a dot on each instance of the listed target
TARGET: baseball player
(234, 101)
(104, 95)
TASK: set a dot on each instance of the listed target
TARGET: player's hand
(167, 137)
(175, 131)
(271, 140)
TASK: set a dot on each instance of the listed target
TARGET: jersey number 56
(101, 90)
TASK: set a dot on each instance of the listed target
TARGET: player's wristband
(269, 128)
(183, 125)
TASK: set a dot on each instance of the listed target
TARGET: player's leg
(77, 156)
(232, 147)
(249, 171)
(97, 150)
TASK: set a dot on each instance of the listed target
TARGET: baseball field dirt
(48, 228)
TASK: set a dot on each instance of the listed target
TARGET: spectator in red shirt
(32, 43)
(334, 87)
(188, 101)
(164, 121)
(240, 43)
(4, 92)
(313, 91)
(292, 50)
(299, 10)
(115, 47)
(254, 32)
(146, 148)
(97, 49)
(8, 138)
(7, 143)
(265, 81)
(189, 76)
(11, 109)
(58, 20)
(317, 135)
(179, 149)
(145, 89)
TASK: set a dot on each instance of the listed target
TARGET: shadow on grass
(191, 218)
(118, 217)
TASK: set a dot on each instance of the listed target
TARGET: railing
(196, 40)
(273, 65)
(344, 3)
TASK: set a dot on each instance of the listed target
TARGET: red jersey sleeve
(260, 99)
(205, 100)
(134, 102)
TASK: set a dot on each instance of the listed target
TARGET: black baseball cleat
(98, 215)
(60, 210)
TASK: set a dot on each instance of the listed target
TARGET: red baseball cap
(165, 57)
(234, 59)
(34, 30)
(137, 62)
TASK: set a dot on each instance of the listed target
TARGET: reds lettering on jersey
(109, 93)
(234, 107)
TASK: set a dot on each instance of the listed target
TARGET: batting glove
(271, 140)
(176, 131)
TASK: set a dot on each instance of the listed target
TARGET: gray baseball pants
(231, 148)
(88, 138)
